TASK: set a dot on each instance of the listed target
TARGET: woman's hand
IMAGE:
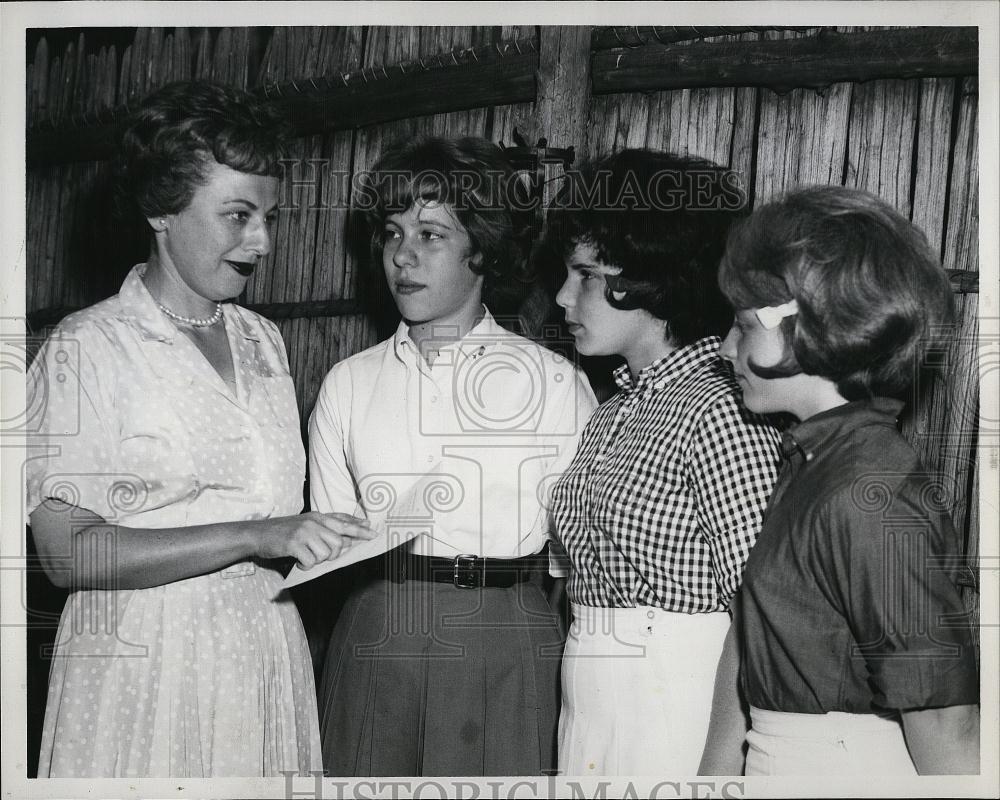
(309, 538)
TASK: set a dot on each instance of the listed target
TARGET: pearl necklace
(196, 323)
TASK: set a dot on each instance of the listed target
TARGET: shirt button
(650, 614)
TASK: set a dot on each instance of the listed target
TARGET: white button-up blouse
(494, 421)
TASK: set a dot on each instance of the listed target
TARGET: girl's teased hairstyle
(871, 294)
(662, 219)
(476, 180)
(177, 132)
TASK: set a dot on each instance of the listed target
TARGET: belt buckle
(465, 575)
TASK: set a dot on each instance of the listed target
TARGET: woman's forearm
(80, 550)
(943, 741)
(724, 754)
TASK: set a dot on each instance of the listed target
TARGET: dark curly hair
(474, 177)
(663, 220)
(177, 132)
(871, 294)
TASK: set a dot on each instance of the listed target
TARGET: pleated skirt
(425, 678)
(207, 677)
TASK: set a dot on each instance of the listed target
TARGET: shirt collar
(236, 322)
(485, 334)
(142, 311)
(809, 437)
(663, 371)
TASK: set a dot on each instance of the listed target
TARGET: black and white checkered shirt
(665, 497)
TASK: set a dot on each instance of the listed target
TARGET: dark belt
(463, 572)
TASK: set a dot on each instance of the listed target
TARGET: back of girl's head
(475, 179)
(662, 219)
(871, 294)
(178, 130)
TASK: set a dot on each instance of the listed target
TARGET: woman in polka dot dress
(170, 472)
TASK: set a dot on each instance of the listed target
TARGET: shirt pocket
(148, 419)
(154, 443)
(273, 402)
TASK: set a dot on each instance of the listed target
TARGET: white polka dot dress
(205, 677)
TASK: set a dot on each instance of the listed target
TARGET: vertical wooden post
(563, 102)
(561, 111)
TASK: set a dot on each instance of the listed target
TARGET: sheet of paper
(352, 555)
(411, 507)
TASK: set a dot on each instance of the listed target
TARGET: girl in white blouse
(445, 659)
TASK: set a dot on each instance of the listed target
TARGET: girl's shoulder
(876, 448)
(874, 474)
(707, 385)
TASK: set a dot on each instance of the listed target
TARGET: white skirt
(836, 743)
(637, 688)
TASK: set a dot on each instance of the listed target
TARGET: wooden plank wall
(914, 142)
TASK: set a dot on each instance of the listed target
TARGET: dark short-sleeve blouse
(850, 599)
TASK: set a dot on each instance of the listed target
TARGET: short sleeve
(893, 573)
(559, 562)
(733, 464)
(572, 413)
(564, 427)
(331, 485)
(71, 452)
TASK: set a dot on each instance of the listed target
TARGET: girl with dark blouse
(848, 632)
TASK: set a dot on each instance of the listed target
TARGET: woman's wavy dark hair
(475, 179)
(871, 294)
(179, 129)
(663, 220)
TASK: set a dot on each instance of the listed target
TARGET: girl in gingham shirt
(661, 505)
